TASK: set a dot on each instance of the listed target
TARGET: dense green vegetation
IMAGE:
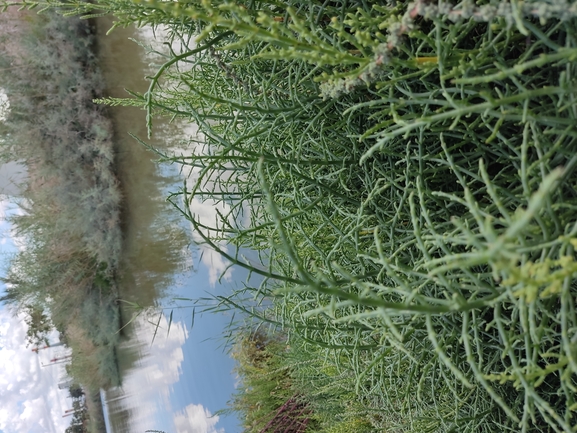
(64, 275)
(407, 172)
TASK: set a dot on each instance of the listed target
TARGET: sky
(30, 399)
(185, 375)
(179, 381)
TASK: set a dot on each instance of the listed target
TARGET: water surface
(173, 379)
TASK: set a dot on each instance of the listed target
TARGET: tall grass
(69, 226)
(407, 171)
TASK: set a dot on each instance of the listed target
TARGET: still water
(173, 379)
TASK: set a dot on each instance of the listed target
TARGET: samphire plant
(407, 171)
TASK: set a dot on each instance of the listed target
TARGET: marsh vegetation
(406, 172)
(63, 276)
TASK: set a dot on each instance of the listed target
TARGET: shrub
(70, 223)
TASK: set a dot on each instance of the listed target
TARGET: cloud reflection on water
(196, 419)
(145, 394)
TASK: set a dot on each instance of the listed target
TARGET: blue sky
(185, 375)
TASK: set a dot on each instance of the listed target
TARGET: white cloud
(148, 386)
(5, 206)
(206, 213)
(12, 176)
(10, 239)
(195, 418)
(29, 396)
(4, 105)
(162, 360)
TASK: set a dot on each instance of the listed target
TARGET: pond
(176, 372)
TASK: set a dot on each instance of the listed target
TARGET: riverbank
(64, 276)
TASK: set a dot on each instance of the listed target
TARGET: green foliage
(404, 218)
(39, 325)
(75, 391)
(70, 224)
(407, 171)
(355, 425)
(264, 383)
(79, 418)
(54, 126)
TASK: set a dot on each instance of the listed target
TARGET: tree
(75, 391)
(39, 325)
(75, 428)
(79, 418)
